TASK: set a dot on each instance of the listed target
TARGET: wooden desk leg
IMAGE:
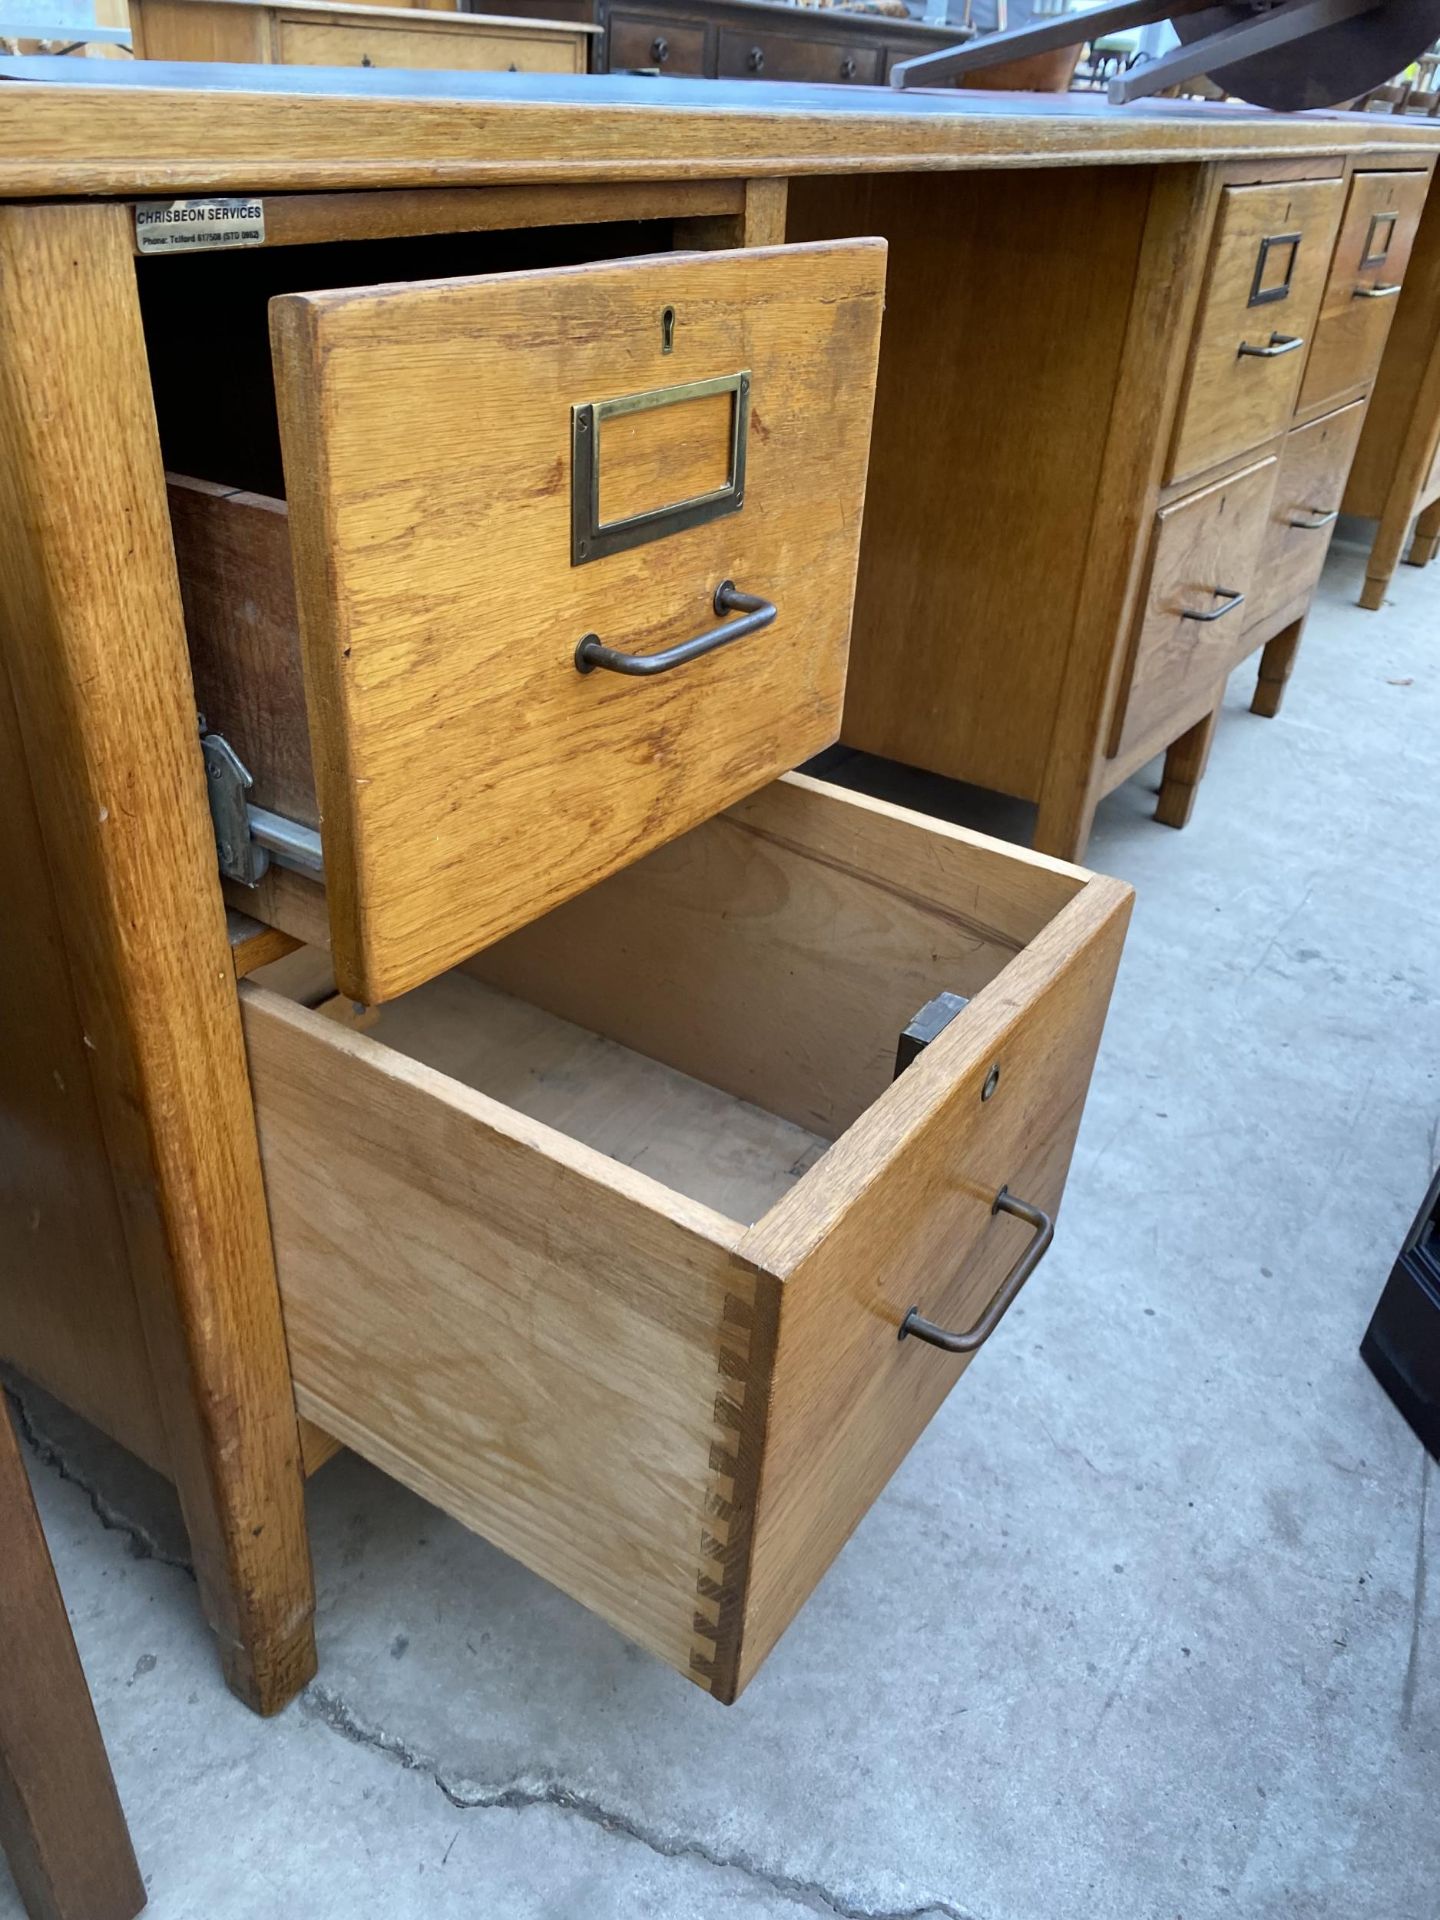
(1427, 537)
(61, 1826)
(1184, 770)
(1064, 820)
(93, 638)
(1276, 661)
(1385, 550)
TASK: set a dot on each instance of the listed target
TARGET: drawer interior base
(724, 1152)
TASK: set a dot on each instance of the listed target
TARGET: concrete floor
(1140, 1631)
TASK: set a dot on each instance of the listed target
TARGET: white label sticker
(176, 226)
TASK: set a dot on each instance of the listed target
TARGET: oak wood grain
(1205, 548)
(68, 1316)
(1372, 250)
(985, 455)
(469, 777)
(237, 586)
(1314, 462)
(1233, 401)
(1396, 471)
(96, 654)
(852, 921)
(61, 1824)
(899, 1214)
(123, 138)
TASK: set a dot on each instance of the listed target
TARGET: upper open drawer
(574, 554)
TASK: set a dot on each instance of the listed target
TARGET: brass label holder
(593, 539)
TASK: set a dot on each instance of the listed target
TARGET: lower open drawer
(603, 1241)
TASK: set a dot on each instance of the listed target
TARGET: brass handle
(1230, 598)
(976, 1336)
(1386, 290)
(758, 614)
(1279, 343)
(1316, 520)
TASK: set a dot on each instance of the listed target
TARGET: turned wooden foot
(1276, 663)
(1184, 770)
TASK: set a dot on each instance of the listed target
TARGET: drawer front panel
(1371, 255)
(637, 40)
(674, 1416)
(469, 776)
(776, 56)
(1203, 555)
(1267, 270)
(1314, 466)
(311, 43)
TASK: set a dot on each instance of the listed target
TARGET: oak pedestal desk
(1395, 480)
(562, 1171)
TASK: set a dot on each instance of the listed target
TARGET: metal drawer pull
(1279, 343)
(757, 613)
(1386, 290)
(1036, 1217)
(1230, 599)
(1316, 520)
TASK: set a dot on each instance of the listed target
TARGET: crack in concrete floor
(336, 1714)
(515, 1795)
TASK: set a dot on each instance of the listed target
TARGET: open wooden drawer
(565, 565)
(624, 1294)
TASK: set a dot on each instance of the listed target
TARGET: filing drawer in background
(675, 1415)
(450, 557)
(1189, 631)
(783, 56)
(327, 43)
(1314, 464)
(640, 40)
(1268, 262)
(1371, 254)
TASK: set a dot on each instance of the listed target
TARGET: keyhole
(667, 330)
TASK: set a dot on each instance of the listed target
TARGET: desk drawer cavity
(566, 565)
(604, 1242)
(1268, 263)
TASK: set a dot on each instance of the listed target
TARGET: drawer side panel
(554, 1350)
(898, 1215)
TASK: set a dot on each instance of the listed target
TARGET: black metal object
(1402, 1343)
(1277, 344)
(1004, 1295)
(928, 1025)
(758, 613)
(1230, 601)
(592, 538)
(1315, 522)
(1262, 295)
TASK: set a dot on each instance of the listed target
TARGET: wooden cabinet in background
(767, 40)
(1093, 572)
(1395, 480)
(311, 33)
